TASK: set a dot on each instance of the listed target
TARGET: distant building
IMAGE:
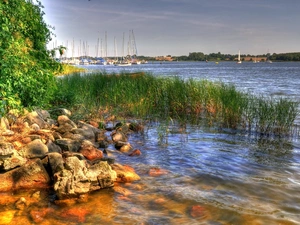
(252, 58)
(164, 58)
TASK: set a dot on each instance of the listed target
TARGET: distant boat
(123, 63)
(125, 60)
(101, 61)
(268, 58)
(255, 60)
(239, 57)
(269, 61)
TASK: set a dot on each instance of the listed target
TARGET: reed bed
(200, 102)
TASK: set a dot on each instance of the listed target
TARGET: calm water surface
(229, 178)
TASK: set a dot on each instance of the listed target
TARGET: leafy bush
(26, 68)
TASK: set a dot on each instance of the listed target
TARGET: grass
(65, 69)
(143, 96)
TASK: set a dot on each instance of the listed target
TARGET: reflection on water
(211, 178)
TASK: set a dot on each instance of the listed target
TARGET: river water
(208, 176)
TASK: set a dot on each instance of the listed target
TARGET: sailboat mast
(105, 44)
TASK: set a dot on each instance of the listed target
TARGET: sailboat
(255, 61)
(268, 58)
(239, 57)
(124, 61)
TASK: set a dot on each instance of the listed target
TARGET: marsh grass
(65, 69)
(200, 102)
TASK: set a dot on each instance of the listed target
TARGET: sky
(175, 27)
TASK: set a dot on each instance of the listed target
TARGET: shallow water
(210, 177)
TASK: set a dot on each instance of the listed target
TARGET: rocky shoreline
(46, 149)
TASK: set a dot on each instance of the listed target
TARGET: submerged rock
(125, 173)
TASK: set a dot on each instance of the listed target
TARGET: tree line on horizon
(200, 56)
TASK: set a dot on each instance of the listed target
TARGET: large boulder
(35, 149)
(78, 177)
(30, 175)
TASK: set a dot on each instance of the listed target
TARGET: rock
(35, 118)
(56, 162)
(101, 175)
(38, 215)
(35, 149)
(52, 147)
(11, 162)
(30, 175)
(65, 124)
(124, 128)
(102, 139)
(90, 152)
(36, 195)
(7, 133)
(136, 127)
(86, 134)
(4, 124)
(125, 148)
(35, 127)
(21, 203)
(77, 214)
(122, 191)
(118, 136)
(90, 132)
(197, 211)
(44, 114)
(68, 145)
(125, 173)
(101, 136)
(60, 111)
(6, 149)
(135, 152)
(78, 178)
(39, 147)
(155, 172)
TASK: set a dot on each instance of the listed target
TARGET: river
(211, 177)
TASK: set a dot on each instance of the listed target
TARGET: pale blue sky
(177, 27)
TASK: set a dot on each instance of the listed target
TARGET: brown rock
(135, 152)
(197, 211)
(122, 191)
(31, 175)
(35, 149)
(38, 215)
(75, 214)
(125, 173)
(90, 152)
(126, 148)
(155, 172)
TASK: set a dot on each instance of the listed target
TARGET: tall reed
(187, 101)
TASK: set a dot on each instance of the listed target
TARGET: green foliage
(293, 56)
(26, 68)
